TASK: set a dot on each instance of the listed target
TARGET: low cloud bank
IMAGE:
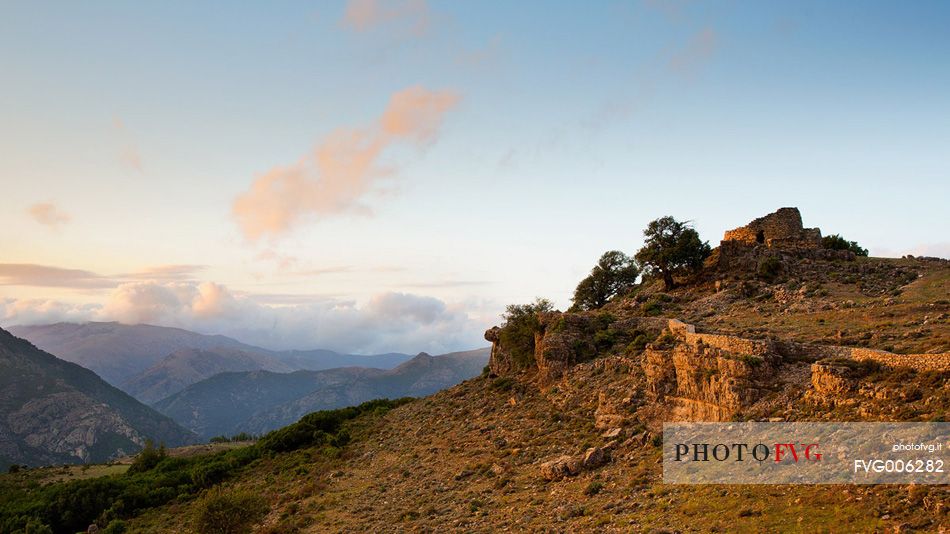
(388, 322)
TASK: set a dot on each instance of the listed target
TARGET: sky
(374, 176)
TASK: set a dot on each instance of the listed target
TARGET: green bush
(836, 242)
(319, 428)
(148, 458)
(520, 326)
(228, 512)
(116, 526)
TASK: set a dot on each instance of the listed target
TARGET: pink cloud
(697, 51)
(365, 15)
(48, 214)
(342, 169)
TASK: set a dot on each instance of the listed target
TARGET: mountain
(53, 411)
(184, 367)
(153, 362)
(259, 401)
(115, 351)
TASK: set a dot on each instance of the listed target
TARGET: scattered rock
(560, 467)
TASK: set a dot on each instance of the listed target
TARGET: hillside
(564, 432)
(53, 411)
(115, 351)
(153, 362)
(260, 401)
(184, 367)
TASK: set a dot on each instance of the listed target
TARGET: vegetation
(243, 436)
(672, 248)
(228, 512)
(520, 326)
(615, 274)
(769, 268)
(148, 458)
(836, 242)
(156, 479)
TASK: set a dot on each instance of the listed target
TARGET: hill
(115, 351)
(53, 411)
(153, 362)
(260, 401)
(565, 431)
(184, 367)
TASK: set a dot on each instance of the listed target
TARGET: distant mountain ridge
(54, 411)
(260, 401)
(153, 362)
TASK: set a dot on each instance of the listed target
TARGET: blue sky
(540, 134)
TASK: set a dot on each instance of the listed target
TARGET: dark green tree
(672, 248)
(836, 242)
(521, 323)
(614, 274)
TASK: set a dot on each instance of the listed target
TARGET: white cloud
(388, 322)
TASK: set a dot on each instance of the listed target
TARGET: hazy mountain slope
(182, 368)
(142, 359)
(223, 402)
(116, 352)
(53, 411)
(316, 360)
(420, 376)
(261, 401)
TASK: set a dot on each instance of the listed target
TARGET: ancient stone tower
(782, 229)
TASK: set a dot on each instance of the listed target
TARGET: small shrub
(116, 526)
(769, 268)
(13, 469)
(223, 512)
(505, 383)
(593, 488)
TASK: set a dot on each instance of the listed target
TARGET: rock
(595, 457)
(613, 433)
(560, 467)
(498, 470)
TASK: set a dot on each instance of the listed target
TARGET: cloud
(697, 51)
(129, 155)
(166, 272)
(42, 311)
(48, 214)
(406, 15)
(400, 322)
(30, 274)
(341, 170)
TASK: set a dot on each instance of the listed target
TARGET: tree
(836, 242)
(517, 332)
(614, 274)
(672, 248)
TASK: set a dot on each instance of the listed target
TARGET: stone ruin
(782, 229)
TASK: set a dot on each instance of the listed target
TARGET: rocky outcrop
(53, 411)
(567, 465)
(704, 377)
(692, 376)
